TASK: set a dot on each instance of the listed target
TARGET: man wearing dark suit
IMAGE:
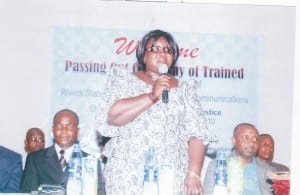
(10, 170)
(265, 152)
(43, 166)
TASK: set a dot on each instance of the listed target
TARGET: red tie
(62, 160)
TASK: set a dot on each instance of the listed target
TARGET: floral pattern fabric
(167, 127)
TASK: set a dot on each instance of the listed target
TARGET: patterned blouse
(167, 127)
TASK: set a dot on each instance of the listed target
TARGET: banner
(226, 67)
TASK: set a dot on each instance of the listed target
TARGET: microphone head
(162, 68)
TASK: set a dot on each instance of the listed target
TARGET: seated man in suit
(34, 140)
(252, 172)
(10, 170)
(266, 152)
(43, 166)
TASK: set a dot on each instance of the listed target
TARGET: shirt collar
(68, 152)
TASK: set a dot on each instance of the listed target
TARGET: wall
(26, 55)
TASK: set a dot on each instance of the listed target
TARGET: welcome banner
(226, 67)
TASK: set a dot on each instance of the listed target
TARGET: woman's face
(158, 52)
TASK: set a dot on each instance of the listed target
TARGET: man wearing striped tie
(49, 165)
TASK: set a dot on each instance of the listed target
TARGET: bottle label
(150, 175)
(166, 179)
(71, 172)
(90, 176)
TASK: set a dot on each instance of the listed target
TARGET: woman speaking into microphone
(133, 114)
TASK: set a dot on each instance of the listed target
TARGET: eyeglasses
(37, 140)
(159, 49)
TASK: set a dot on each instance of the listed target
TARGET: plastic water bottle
(150, 173)
(74, 186)
(90, 176)
(166, 178)
(220, 173)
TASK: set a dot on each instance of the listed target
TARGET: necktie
(62, 160)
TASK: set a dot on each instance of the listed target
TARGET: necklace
(152, 75)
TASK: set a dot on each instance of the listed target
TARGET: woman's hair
(154, 35)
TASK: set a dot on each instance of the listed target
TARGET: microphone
(163, 69)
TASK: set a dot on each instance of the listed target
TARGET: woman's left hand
(192, 185)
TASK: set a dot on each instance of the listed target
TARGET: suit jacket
(261, 170)
(10, 170)
(101, 180)
(280, 167)
(43, 167)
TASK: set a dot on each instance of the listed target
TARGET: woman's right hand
(160, 84)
